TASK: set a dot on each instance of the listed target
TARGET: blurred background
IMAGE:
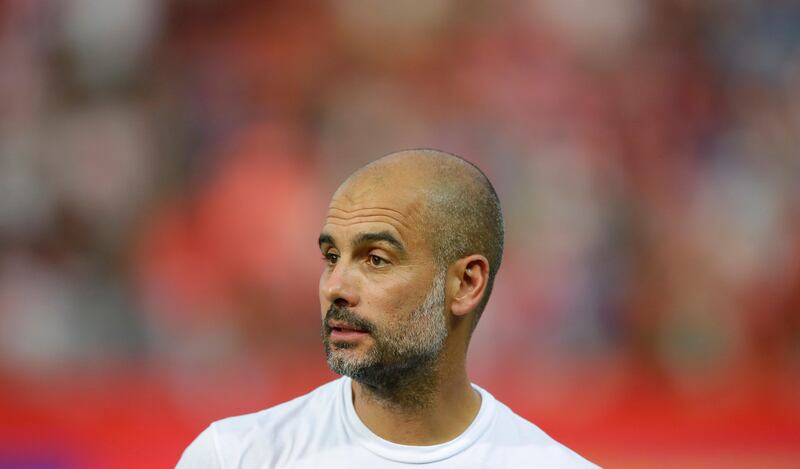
(165, 167)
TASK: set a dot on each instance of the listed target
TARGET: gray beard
(403, 355)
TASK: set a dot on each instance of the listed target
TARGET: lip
(347, 335)
(342, 331)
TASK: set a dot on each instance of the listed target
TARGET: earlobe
(471, 277)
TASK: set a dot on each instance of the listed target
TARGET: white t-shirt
(322, 430)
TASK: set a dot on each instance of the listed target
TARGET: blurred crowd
(165, 167)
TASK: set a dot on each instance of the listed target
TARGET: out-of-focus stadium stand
(165, 166)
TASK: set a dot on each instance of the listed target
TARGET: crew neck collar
(410, 453)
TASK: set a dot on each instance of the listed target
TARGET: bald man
(411, 245)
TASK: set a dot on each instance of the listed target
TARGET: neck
(428, 407)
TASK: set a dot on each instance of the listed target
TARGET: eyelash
(380, 261)
(330, 258)
(376, 261)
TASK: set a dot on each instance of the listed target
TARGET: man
(411, 244)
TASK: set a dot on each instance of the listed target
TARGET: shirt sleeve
(201, 453)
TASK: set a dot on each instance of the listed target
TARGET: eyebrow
(325, 238)
(365, 238)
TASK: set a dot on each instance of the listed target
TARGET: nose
(339, 286)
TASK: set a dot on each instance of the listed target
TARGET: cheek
(323, 302)
(395, 303)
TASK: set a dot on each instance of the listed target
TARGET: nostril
(340, 302)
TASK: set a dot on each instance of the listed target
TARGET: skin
(383, 283)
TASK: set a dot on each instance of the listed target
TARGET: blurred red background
(165, 166)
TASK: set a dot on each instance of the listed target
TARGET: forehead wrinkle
(404, 219)
(367, 208)
(369, 218)
(401, 203)
(414, 200)
(401, 217)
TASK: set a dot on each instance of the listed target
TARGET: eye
(377, 261)
(330, 258)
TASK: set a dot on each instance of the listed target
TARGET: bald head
(459, 208)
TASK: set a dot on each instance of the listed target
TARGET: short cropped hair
(464, 215)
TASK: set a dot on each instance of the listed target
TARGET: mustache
(346, 315)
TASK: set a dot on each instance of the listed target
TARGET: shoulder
(201, 453)
(527, 442)
(280, 417)
(266, 435)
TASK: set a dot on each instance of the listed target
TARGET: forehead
(378, 205)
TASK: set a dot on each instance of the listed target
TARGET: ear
(469, 276)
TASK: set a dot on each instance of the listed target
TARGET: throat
(420, 413)
(406, 393)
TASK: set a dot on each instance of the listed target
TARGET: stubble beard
(402, 353)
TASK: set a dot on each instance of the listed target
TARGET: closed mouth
(340, 326)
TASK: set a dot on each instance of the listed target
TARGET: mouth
(342, 331)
